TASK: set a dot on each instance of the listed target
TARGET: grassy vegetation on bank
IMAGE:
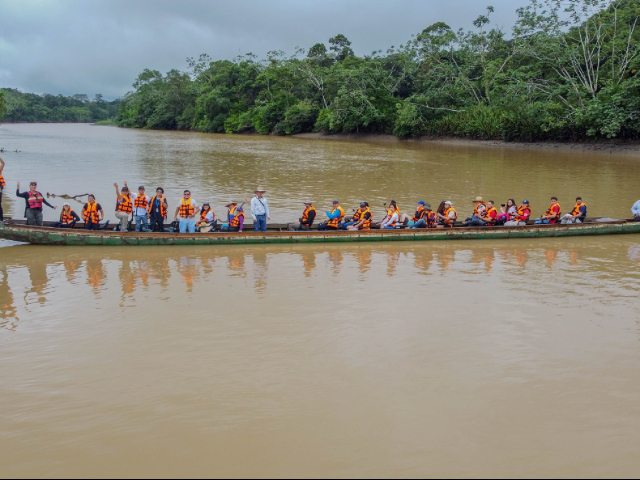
(108, 122)
(567, 71)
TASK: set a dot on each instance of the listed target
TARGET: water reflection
(607, 265)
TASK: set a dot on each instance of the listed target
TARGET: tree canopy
(567, 70)
(29, 107)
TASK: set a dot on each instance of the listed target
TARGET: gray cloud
(79, 46)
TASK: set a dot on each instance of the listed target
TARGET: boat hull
(55, 236)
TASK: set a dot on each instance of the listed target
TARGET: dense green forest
(567, 70)
(3, 105)
(29, 107)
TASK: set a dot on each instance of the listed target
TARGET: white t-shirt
(139, 211)
(209, 216)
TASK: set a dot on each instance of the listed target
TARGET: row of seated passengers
(485, 214)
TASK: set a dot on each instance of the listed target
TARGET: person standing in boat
(2, 185)
(260, 211)
(92, 213)
(335, 217)
(577, 215)
(157, 210)
(187, 210)
(307, 219)
(124, 206)
(140, 207)
(34, 201)
(68, 217)
(636, 211)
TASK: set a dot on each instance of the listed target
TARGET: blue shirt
(636, 208)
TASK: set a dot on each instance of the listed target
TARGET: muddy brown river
(479, 358)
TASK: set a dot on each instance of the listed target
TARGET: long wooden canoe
(46, 235)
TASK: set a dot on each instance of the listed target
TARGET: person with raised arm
(34, 201)
(124, 206)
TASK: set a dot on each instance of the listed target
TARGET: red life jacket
(35, 199)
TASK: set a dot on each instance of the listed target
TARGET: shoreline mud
(622, 147)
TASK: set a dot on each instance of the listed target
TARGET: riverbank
(622, 147)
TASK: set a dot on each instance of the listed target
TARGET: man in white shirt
(260, 211)
(140, 205)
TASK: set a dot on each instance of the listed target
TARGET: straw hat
(478, 200)
(308, 202)
(262, 190)
(231, 203)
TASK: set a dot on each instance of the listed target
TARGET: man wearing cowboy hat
(260, 211)
(478, 211)
(308, 216)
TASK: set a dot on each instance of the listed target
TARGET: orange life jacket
(305, 214)
(430, 218)
(521, 213)
(141, 202)
(576, 209)
(67, 217)
(447, 220)
(366, 222)
(487, 215)
(475, 210)
(186, 209)
(334, 222)
(236, 219)
(356, 216)
(125, 204)
(390, 212)
(203, 214)
(2, 183)
(551, 215)
(90, 213)
(420, 213)
(163, 209)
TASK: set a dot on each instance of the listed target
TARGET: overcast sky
(100, 46)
